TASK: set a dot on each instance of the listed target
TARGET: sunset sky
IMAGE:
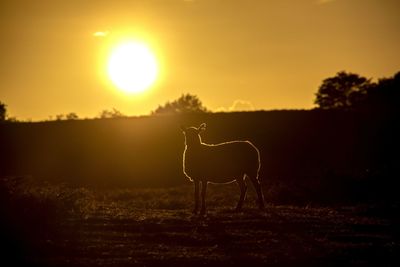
(261, 54)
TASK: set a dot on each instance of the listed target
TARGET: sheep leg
(243, 189)
(203, 197)
(257, 187)
(196, 196)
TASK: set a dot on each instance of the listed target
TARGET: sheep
(221, 164)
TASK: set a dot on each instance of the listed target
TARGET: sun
(132, 67)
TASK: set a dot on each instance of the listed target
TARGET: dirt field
(154, 227)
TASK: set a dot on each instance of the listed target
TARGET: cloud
(221, 109)
(237, 105)
(241, 105)
(101, 33)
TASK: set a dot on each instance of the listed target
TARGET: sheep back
(222, 163)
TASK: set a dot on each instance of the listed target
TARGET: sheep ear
(202, 127)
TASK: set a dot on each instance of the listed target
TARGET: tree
(60, 117)
(343, 91)
(71, 116)
(385, 95)
(186, 103)
(68, 116)
(113, 113)
(3, 111)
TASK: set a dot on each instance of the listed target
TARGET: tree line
(350, 91)
(344, 91)
(186, 103)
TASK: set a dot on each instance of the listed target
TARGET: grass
(59, 225)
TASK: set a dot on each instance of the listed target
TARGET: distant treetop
(186, 103)
(113, 113)
(349, 91)
(342, 91)
(3, 111)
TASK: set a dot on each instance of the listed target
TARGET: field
(60, 225)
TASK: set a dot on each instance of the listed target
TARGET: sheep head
(192, 134)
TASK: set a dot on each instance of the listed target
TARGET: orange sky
(268, 54)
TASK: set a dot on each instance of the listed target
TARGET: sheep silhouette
(220, 163)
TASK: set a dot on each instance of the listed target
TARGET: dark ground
(62, 226)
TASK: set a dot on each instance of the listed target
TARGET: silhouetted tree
(385, 95)
(343, 91)
(71, 116)
(3, 111)
(186, 103)
(60, 117)
(113, 113)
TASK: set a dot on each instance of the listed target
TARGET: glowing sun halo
(132, 67)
